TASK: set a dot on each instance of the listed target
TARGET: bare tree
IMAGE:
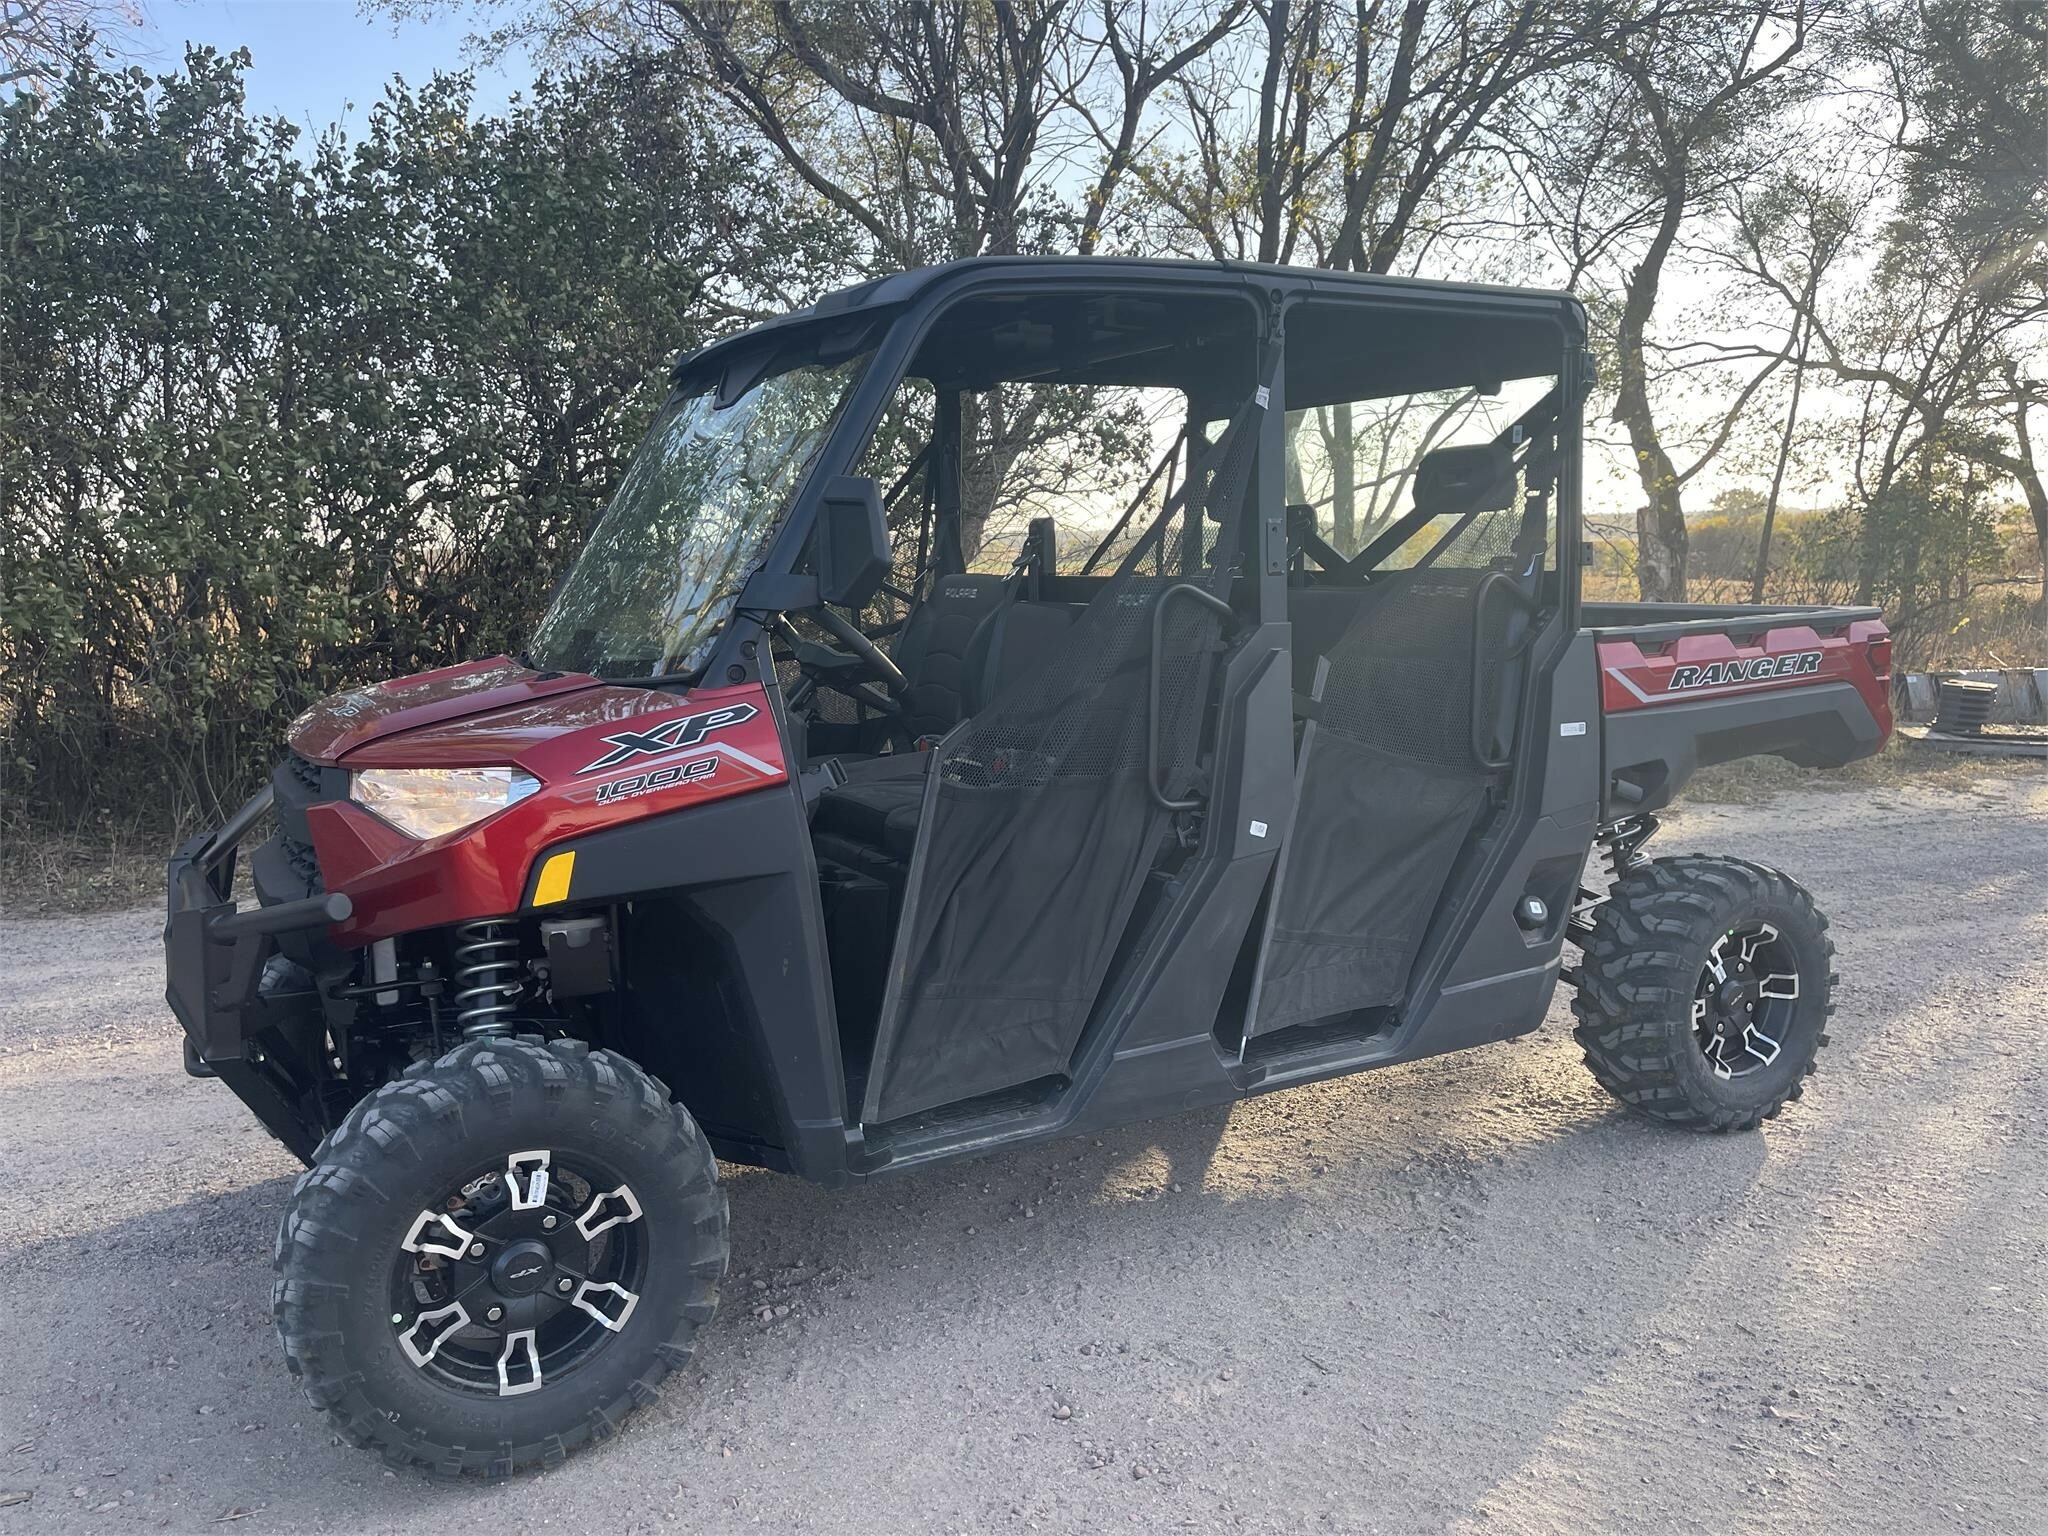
(940, 129)
(1672, 114)
(2026, 465)
(38, 37)
(1327, 131)
(1948, 337)
(1795, 227)
(1970, 82)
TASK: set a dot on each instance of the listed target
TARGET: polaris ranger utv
(842, 831)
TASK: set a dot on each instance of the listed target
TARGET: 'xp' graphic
(676, 735)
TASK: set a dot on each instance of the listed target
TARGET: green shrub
(278, 418)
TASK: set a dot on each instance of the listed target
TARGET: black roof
(902, 286)
(897, 288)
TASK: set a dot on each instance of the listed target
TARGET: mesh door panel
(1390, 790)
(1400, 678)
(1038, 828)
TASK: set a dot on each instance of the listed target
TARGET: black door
(1413, 623)
(1046, 811)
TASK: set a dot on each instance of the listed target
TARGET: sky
(319, 61)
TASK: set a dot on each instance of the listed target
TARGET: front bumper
(244, 1022)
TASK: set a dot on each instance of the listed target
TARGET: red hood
(480, 712)
(604, 756)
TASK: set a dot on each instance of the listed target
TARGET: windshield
(688, 524)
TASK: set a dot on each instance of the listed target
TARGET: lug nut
(494, 1314)
(564, 1284)
(476, 1250)
(548, 1223)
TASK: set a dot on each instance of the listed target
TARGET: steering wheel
(860, 672)
(874, 664)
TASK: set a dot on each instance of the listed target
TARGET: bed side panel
(1812, 693)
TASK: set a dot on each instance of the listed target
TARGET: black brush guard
(254, 1039)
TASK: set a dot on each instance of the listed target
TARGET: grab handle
(1155, 675)
(1483, 733)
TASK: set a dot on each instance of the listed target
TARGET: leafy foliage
(274, 423)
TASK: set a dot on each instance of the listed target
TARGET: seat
(933, 649)
(1011, 644)
(869, 823)
(1321, 617)
(877, 814)
(931, 652)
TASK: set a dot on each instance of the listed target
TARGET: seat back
(1320, 616)
(933, 649)
(1010, 644)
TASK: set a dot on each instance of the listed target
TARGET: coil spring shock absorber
(486, 976)
(1620, 843)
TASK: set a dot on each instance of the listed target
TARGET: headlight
(428, 802)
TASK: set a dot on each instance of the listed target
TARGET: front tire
(1704, 991)
(495, 1259)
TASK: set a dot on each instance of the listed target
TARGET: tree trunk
(1344, 492)
(1660, 532)
(1297, 484)
(2035, 486)
(1270, 155)
(2037, 504)
(1763, 544)
(1660, 521)
(993, 433)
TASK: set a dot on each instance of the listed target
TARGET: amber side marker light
(553, 884)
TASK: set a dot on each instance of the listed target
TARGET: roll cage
(895, 314)
(1071, 895)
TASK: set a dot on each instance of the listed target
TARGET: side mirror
(1478, 478)
(852, 541)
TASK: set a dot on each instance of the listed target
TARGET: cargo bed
(1686, 685)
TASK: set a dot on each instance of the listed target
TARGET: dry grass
(88, 869)
(1756, 780)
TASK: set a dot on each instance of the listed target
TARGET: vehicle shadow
(1223, 1261)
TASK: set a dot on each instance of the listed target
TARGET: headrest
(1476, 478)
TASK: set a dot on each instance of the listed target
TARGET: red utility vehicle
(841, 831)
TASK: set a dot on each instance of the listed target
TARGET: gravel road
(1464, 1295)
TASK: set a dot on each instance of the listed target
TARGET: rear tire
(1685, 1011)
(516, 1147)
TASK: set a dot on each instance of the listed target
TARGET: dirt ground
(1464, 1295)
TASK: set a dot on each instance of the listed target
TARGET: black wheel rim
(1742, 1007)
(520, 1275)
